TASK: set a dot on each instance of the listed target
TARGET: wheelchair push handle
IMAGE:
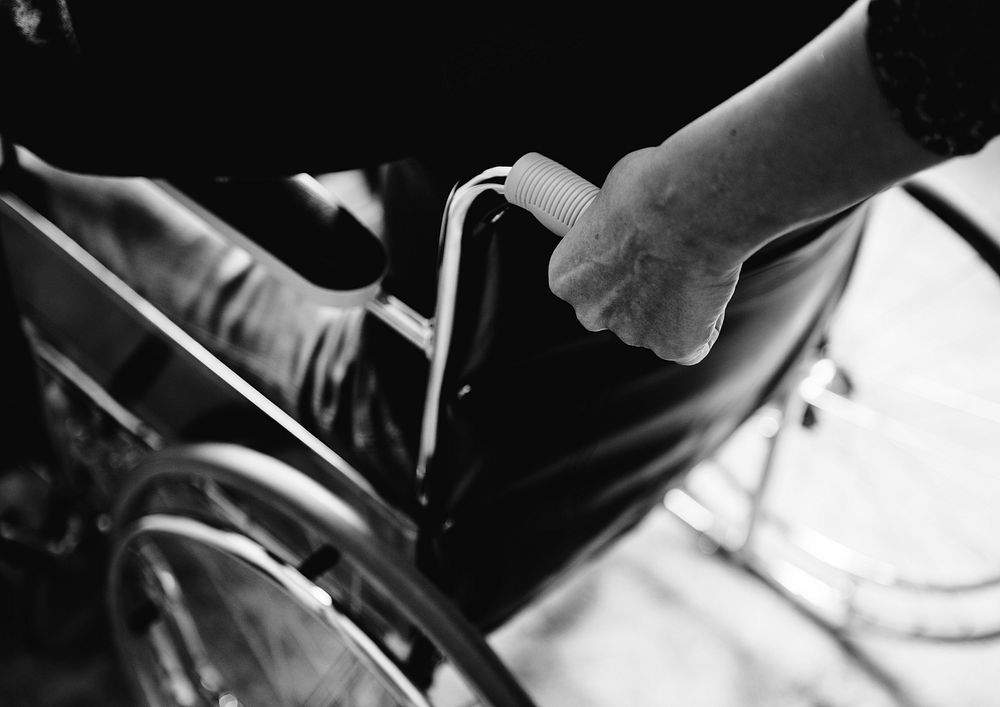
(552, 193)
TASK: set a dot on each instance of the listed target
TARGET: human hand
(642, 262)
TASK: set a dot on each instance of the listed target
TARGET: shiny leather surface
(555, 440)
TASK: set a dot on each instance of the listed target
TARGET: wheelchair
(252, 561)
(892, 420)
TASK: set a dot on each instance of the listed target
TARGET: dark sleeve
(124, 87)
(170, 87)
(938, 64)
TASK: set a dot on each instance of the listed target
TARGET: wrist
(706, 180)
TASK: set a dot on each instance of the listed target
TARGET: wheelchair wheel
(873, 498)
(237, 580)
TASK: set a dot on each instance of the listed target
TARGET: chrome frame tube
(452, 231)
(404, 320)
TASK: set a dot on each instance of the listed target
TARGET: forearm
(810, 139)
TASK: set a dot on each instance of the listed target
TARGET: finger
(591, 320)
(702, 352)
(696, 358)
(629, 338)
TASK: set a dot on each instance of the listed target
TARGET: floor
(663, 619)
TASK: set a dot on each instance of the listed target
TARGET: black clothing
(938, 64)
(226, 87)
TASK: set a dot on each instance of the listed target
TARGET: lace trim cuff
(938, 64)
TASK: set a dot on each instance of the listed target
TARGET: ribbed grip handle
(552, 193)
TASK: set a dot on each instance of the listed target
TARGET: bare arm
(658, 255)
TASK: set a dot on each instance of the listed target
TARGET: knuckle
(630, 337)
(590, 320)
(685, 352)
(693, 356)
